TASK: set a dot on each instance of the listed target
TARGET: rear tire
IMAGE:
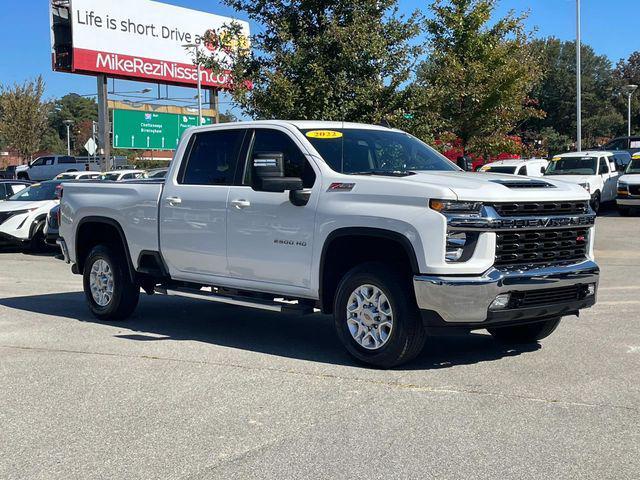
(528, 333)
(110, 292)
(385, 331)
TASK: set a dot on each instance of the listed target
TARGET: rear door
(193, 206)
(270, 239)
(609, 179)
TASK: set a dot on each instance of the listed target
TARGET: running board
(259, 304)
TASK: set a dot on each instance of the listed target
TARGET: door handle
(241, 203)
(173, 201)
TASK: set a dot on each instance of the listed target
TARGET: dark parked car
(622, 159)
(629, 144)
(9, 188)
(9, 172)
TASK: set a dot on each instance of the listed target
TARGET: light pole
(578, 81)
(629, 89)
(198, 72)
(68, 123)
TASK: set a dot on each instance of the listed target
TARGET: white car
(23, 216)
(533, 167)
(629, 187)
(78, 176)
(46, 168)
(362, 221)
(595, 171)
(119, 175)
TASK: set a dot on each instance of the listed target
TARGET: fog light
(591, 289)
(455, 246)
(500, 302)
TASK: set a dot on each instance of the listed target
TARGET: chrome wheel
(369, 317)
(101, 282)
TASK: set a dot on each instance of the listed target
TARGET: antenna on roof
(384, 123)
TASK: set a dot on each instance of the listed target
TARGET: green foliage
(627, 72)
(23, 116)
(315, 59)
(556, 94)
(479, 73)
(81, 111)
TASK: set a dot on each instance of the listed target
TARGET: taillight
(59, 192)
(58, 215)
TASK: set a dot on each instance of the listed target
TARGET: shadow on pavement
(310, 337)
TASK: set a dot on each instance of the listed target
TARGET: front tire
(595, 202)
(110, 292)
(37, 243)
(376, 316)
(527, 333)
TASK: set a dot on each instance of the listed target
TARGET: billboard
(151, 130)
(134, 39)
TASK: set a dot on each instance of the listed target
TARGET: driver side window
(295, 162)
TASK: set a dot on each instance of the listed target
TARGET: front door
(270, 239)
(609, 180)
(193, 206)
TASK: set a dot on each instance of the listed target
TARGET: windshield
(633, 167)
(498, 169)
(355, 150)
(37, 193)
(572, 166)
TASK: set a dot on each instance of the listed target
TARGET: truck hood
(492, 187)
(630, 179)
(7, 206)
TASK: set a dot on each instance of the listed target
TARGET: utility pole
(629, 90)
(68, 123)
(104, 126)
(578, 81)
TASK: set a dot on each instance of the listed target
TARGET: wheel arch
(333, 266)
(103, 228)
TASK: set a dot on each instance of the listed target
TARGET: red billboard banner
(140, 68)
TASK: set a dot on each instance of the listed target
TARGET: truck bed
(132, 204)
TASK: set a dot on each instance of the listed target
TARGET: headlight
(586, 186)
(455, 207)
(623, 189)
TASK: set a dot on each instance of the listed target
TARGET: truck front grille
(525, 209)
(523, 248)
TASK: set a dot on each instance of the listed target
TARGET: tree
(479, 72)
(82, 112)
(23, 116)
(628, 72)
(318, 59)
(556, 94)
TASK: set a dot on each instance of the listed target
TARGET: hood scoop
(524, 183)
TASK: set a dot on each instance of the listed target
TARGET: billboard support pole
(199, 93)
(214, 103)
(104, 128)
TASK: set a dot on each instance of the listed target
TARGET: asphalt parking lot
(190, 390)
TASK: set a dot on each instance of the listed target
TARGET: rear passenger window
(212, 158)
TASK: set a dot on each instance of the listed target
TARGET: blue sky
(25, 34)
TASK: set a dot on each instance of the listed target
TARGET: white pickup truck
(361, 221)
(47, 168)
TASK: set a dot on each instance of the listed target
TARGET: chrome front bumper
(628, 202)
(466, 299)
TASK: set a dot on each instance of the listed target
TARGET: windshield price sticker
(324, 134)
(555, 159)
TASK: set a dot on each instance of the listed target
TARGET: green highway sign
(150, 130)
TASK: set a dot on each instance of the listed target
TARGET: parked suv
(629, 144)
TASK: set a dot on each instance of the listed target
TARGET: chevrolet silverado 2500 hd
(361, 221)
